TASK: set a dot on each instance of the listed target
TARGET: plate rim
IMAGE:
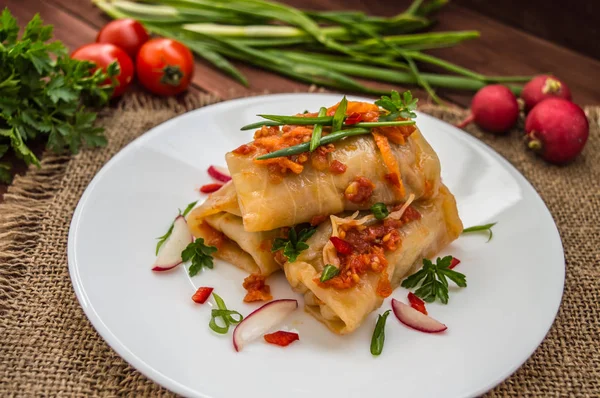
(166, 382)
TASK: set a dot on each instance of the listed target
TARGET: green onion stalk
(329, 49)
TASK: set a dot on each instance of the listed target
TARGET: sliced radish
(170, 253)
(416, 320)
(219, 173)
(261, 320)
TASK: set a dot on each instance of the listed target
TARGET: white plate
(514, 288)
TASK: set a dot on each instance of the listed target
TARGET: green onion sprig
(379, 334)
(317, 130)
(226, 316)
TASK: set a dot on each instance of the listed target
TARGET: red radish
(341, 246)
(416, 320)
(494, 108)
(219, 173)
(541, 87)
(261, 320)
(202, 294)
(417, 303)
(281, 338)
(557, 130)
(454, 263)
(170, 253)
(210, 188)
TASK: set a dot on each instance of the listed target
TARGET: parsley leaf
(434, 280)
(163, 239)
(45, 94)
(199, 254)
(398, 106)
(294, 244)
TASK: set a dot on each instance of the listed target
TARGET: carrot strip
(390, 161)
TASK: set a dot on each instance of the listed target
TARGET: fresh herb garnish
(379, 334)
(44, 93)
(481, 228)
(398, 106)
(164, 238)
(317, 130)
(226, 316)
(434, 280)
(339, 115)
(199, 254)
(329, 272)
(380, 210)
(294, 244)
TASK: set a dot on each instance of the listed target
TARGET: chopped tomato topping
(354, 118)
(202, 294)
(257, 289)
(417, 303)
(281, 338)
(316, 220)
(454, 262)
(244, 149)
(362, 248)
(210, 188)
(359, 190)
(337, 167)
(384, 286)
(341, 246)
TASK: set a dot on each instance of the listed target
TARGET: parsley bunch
(44, 93)
(199, 254)
(434, 280)
(398, 106)
(294, 244)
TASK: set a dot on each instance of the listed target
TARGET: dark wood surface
(574, 24)
(501, 50)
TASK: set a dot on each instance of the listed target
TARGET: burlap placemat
(49, 348)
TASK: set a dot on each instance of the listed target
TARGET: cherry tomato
(165, 66)
(127, 34)
(103, 54)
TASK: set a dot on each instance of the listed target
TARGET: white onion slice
(415, 319)
(261, 320)
(169, 255)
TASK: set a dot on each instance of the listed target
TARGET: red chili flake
(341, 246)
(281, 338)
(354, 118)
(417, 303)
(202, 294)
(337, 167)
(454, 263)
(210, 188)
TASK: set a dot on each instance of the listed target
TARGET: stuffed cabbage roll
(378, 255)
(218, 221)
(385, 166)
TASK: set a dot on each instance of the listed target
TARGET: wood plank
(571, 25)
(500, 50)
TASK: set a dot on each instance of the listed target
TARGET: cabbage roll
(298, 197)
(343, 302)
(218, 221)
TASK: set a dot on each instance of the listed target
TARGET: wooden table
(502, 49)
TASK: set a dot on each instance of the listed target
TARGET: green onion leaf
(480, 228)
(329, 272)
(379, 334)
(380, 210)
(316, 135)
(339, 115)
(224, 314)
